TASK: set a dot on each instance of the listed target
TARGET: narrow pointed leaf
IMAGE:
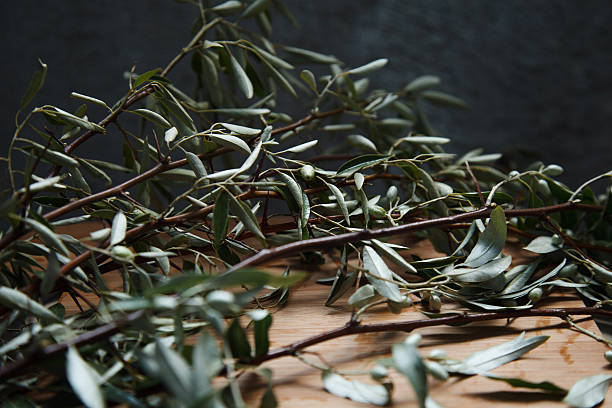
(220, 217)
(369, 67)
(49, 237)
(244, 83)
(36, 83)
(153, 117)
(118, 228)
(13, 298)
(406, 360)
(377, 267)
(355, 390)
(237, 340)
(232, 142)
(483, 273)
(341, 202)
(84, 380)
(542, 245)
(496, 356)
(244, 213)
(491, 241)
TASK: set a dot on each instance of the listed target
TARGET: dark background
(537, 74)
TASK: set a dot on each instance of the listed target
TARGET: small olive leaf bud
(434, 303)
(378, 372)
(543, 188)
(391, 194)
(535, 294)
(376, 211)
(122, 253)
(307, 172)
(556, 240)
(513, 173)
(553, 170)
(568, 271)
(100, 235)
(437, 370)
(437, 354)
(608, 356)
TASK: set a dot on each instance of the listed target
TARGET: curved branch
(353, 327)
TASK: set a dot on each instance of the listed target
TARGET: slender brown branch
(40, 354)
(407, 326)
(336, 240)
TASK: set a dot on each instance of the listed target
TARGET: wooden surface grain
(566, 357)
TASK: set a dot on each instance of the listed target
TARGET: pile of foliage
(189, 213)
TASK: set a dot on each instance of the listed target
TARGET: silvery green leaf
(360, 162)
(220, 217)
(49, 237)
(444, 99)
(341, 284)
(377, 269)
(227, 7)
(241, 130)
(339, 127)
(272, 58)
(602, 273)
(244, 83)
(406, 360)
(312, 56)
(485, 158)
(242, 112)
(254, 8)
(76, 121)
(14, 298)
(359, 179)
(310, 80)
(542, 245)
(89, 99)
(482, 273)
(170, 135)
(389, 252)
(42, 185)
(232, 142)
(301, 147)
(362, 296)
(118, 228)
(491, 241)
(84, 380)
(196, 164)
(262, 321)
(281, 78)
(174, 370)
(525, 289)
(341, 202)
(36, 83)
(422, 82)
(246, 216)
(466, 239)
(362, 142)
(427, 140)
(53, 156)
(496, 356)
(51, 274)
(294, 188)
(369, 394)
(588, 392)
(369, 67)
(519, 276)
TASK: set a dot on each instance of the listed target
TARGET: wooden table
(565, 358)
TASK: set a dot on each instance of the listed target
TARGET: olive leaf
(588, 391)
(496, 356)
(84, 380)
(406, 360)
(491, 241)
(355, 390)
(377, 269)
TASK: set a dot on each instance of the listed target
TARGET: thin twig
(469, 170)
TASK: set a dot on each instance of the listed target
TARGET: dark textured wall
(537, 74)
